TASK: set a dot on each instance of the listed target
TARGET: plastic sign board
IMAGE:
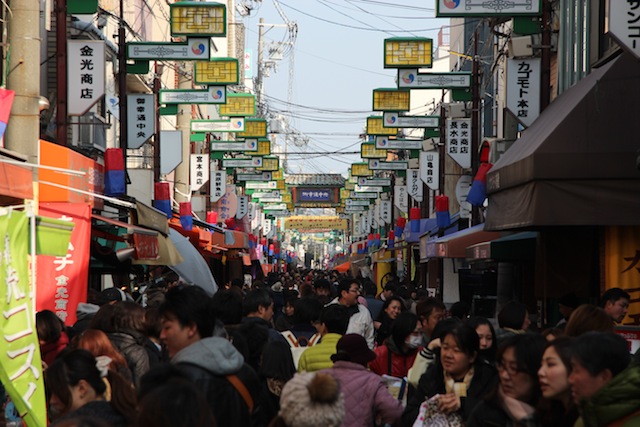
(412, 79)
(397, 121)
(459, 141)
(623, 24)
(414, 184)
(430, 169)
(273, 199)
(523, 88)
(170, 150)
(190, 18)
(355, 209)
(383, 182)
(235, 124)
(261, 194)
(401, 52)
(355, 195)
(243, 206)
(85, 68)
(352, 202)
(199, 171)
(380, 165)
(386, 99)
(213, 95)
(385, 211)
(141, 119)
(506, 8)
(251, 185)
(218, 185)
(368, 188)
(399, 144)
(217, 71)
(401, 198)
(264, 176)
(246, 145)
(192, 49)
(253, 162)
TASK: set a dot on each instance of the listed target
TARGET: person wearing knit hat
(310, 399)
(366, 395)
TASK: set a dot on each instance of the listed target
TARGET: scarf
(459, 388)
(517, 410)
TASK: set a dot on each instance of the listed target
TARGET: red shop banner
(62, 282)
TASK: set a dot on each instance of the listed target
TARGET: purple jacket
(365, 396)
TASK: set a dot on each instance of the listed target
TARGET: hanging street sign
(523, 88)
(415, 80)
(273, 199)
(430, 169)
(261, 194)
(218, 185)
(253, 162)
(397, 121)
(399, 144)
(199, 171)
(141, 118)
(251, 185)
(354, 195)
(212, 95)
(459, 141)
(352, 202)
(246, 145)
(243, 206)
(414, 185)
(623, 25)
(275, 207)
(85, 68)
(235, 124)
(379, 165)
(385, 211)
(401, 198)
(354, 209)
(464, 8)
(368, 188)
(264, 176)
(384, 182)
(192, 49)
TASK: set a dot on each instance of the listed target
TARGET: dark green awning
(513, 247)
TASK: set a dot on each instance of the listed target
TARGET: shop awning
(576, 165)
(342, 268)
(454, 245)
(194, 268)
(514, 247)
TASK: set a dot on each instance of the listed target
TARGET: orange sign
(622, 266)
(62, 157)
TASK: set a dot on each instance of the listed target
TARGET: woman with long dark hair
(77, 384)
(396, 356)
(459, 377)
(487, 336)
(558, 409)
(391, 308)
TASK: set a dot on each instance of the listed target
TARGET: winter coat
(50, 351)
(131, 346)
(490, 413)
(365, 396)
(384, 331)
(432, 382)
(360, 323)
(257, 332)
(319, 356)
(207, 363)
(617, 404)
(391, 361)
(100, 409)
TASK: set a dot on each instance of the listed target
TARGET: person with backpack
(303, 333)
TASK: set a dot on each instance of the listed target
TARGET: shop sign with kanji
(85, 69)
(141, 119)
(523, 89)
(459, 141)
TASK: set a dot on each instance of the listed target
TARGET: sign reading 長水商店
(459, 141)
(86, 69)
(523, 89)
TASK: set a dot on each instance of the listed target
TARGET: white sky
(338, 64)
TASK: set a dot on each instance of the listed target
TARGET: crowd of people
(322, 349)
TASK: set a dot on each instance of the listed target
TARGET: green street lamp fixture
(192, 18)
(391, 100)
(254, 128)
(239, 105)
(368, 150)
(413, 52)
(217, 71)
(375, 126)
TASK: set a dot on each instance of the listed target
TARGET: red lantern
(212, 217)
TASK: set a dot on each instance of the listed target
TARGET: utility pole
(61, 68)
(157, 84)
(475, 121)
(122, 88)
(545, 61)
(260, 76)
(183, 124)
(23, 77)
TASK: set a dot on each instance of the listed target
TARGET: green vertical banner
(21, 367)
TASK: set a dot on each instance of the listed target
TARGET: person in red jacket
(396, 356)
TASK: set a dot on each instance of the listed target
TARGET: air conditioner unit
(90, 132)
(456, 110)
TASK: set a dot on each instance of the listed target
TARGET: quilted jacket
(365, 396)
(400, 363)
(319, 356)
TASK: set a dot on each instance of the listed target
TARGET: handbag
(430, 416)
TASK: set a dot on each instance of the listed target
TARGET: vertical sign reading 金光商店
(85, 68)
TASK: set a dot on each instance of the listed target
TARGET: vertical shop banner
(86, 69)
(243, 207)
(523, 88)
(414, 184)
(459, 141)
(63, 281)
(199, 168)
(218, 185)
(385, 211)
(21, 371)
(430, 169)
(622, 266)
(141, 119)
(401, 198)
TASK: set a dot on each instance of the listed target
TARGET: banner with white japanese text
(622, 266)
(21, 371)
(63, 281)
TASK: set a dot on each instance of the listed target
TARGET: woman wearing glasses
(513, 401)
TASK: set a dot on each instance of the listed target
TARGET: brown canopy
(576, 165)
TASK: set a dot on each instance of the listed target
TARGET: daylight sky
(338, 64)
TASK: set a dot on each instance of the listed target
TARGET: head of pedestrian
(597, 358)
(555, 369)
(430, 311)
(514, 316)
(588, 318)
(353, 348)
(187, 317)
(258, 303)
(615, 302)
(389, 290)
(518, 362)
(348, 292)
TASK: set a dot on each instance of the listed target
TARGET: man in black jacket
(212, 363)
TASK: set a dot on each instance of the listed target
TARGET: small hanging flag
(186, 218)
(162, 198)
(414, 219)
(442, 212)
(6, 101)
(114, 179)
(478, 192)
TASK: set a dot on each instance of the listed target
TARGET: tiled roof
(333, 180)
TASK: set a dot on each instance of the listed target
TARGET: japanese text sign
(430, 168)
(85, 68)
(218, 185)
(624, 24)
(199, 170)
(414, 184)
(523, 89)
(141, 119)
(459, 141)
